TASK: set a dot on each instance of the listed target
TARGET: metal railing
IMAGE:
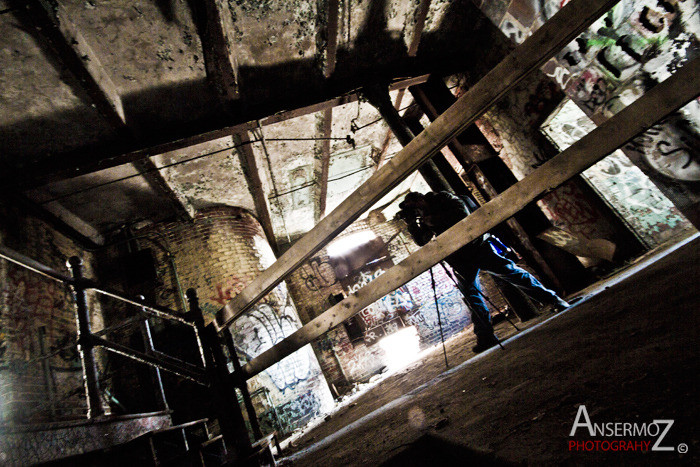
(87, 340)
(213, 372)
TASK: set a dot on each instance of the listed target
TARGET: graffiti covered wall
(37, 317)
(218, 256)
(630, 193)
(636, 44)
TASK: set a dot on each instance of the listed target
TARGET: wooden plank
(55, 25)
(421, 15)
(252, 176)
(219, 55)
(325, 162)
(655, 105)
(89, 160)
(530, 55)
(323, 165)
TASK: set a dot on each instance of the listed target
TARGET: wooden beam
(655, 105)
(331, 32)
(529, 56)
(53, 22)
(252, 176)
(74, 51)
(421, 15)
(89, 160)
(217, 47)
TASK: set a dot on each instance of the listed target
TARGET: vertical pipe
(242, 385)
(155, 371)
(85, 345)
(378, 96)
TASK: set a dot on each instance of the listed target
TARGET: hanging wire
(348, 139)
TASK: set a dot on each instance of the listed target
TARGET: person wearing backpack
(428, 215)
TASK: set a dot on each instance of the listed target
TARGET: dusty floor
(628, 351)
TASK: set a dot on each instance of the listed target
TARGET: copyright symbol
(682, 448)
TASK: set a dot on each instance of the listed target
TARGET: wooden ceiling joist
(89, 160)
(219, 55)
(252, 176)
(655, 105)
(549, 39)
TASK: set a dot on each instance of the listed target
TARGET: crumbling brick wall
(218, 254)
(37, 317)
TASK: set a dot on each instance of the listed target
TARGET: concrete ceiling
(173, 146)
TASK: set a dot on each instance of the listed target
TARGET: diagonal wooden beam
(252, 176)
(219, 54)
(655, 105)
(564, 26)
(53, 22)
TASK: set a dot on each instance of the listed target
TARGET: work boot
(484, 344)
(560, 306)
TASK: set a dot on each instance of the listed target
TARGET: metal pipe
(28, 263)
(86, 341)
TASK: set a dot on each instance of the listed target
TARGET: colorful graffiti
(633, 196)
(635, 45)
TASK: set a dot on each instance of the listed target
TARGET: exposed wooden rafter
(93, 159)
(252, 176)
(219, 54)
(655, 105)
(549, 39)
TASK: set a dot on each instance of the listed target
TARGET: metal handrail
(87, 340)
(28, 263)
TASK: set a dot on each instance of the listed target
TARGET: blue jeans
(469, 262)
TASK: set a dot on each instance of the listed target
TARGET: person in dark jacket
(432, 214)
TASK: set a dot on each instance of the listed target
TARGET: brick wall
(37, 316)
(218, 255)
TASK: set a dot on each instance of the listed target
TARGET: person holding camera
(430, 215)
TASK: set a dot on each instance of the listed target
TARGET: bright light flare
(350, 242)
(401, 348)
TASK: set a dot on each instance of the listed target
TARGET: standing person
(433, 213)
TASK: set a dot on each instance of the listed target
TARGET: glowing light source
(401, 348)
(350, 242)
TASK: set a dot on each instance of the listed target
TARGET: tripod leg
(437, 310)
(464, 295)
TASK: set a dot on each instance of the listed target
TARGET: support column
(378, 96)
(85, 341)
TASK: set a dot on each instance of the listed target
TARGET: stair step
(213, 452)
